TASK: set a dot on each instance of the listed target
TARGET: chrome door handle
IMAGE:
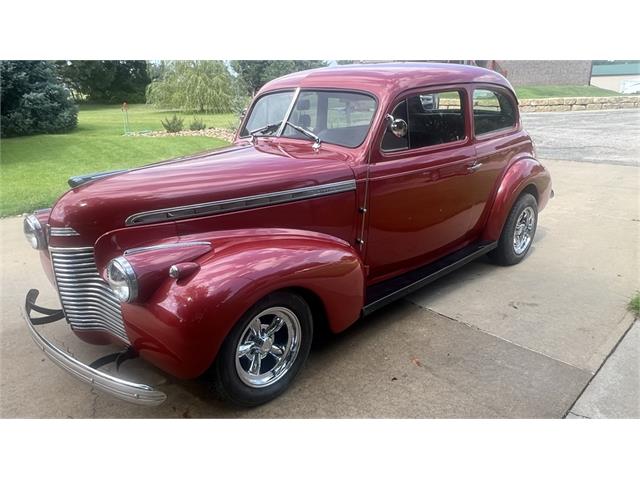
(474, 167)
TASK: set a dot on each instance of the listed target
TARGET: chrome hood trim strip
(236, 204)
(162, 246)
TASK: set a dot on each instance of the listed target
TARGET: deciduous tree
(198, 85)
(255, 73)
(106, 81)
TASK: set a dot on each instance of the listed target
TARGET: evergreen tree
(33, 100)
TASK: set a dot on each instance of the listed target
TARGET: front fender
(182, 325)
(522, 173)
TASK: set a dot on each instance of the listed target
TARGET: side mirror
(397, 126)
(243, 114)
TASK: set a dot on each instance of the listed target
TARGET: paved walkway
(615, 391)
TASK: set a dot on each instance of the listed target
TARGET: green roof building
(620, 77)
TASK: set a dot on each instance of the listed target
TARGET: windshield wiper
(265, 128)
(309, 134)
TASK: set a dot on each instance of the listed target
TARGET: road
(607, 136)
(484, 342)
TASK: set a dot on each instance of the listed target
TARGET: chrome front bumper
(131, 392)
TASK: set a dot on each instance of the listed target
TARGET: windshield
(334, 116)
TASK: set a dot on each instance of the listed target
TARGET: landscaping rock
(223, 133)
(540, 102)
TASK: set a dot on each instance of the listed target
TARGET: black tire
(229, 384)
(506, 253)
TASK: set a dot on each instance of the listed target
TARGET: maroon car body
(336, 224)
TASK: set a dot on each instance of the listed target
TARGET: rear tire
(518, 232)
(265, 350)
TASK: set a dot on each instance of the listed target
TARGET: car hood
(229, 173)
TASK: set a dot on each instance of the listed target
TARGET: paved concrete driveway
(607, 136)
(485, 341)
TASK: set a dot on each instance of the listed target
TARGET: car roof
(387, 79)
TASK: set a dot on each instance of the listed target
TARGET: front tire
(518, 232)
(265, 350)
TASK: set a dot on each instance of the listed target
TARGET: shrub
(197, 124)
(173, 124)
(33, 100)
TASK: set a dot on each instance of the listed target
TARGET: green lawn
(551, 91)
(34, 170)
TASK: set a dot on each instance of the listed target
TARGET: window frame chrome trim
(283, 125)
(230, 205)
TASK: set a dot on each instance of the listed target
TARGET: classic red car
(345, 189)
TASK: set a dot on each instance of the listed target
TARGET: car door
(420, 188)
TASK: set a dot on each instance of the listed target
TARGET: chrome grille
(87, 300)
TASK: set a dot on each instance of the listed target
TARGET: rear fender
(522, 173)
(182, 325)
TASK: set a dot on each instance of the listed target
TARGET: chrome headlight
(34, 232)
(122, 279)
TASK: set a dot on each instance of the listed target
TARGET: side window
(435, 118)
(432, 118)
(492, 111)
(390, 142)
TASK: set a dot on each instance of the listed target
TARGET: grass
(34, 170)
(552, 91)
(634, 304)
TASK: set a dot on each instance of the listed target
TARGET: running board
(385, 292)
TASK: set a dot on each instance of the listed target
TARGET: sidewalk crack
(577, 415)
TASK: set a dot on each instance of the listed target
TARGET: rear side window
(432, 118)
(492, 111)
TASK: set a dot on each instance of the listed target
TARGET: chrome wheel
(523, 232)
(268, 347)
